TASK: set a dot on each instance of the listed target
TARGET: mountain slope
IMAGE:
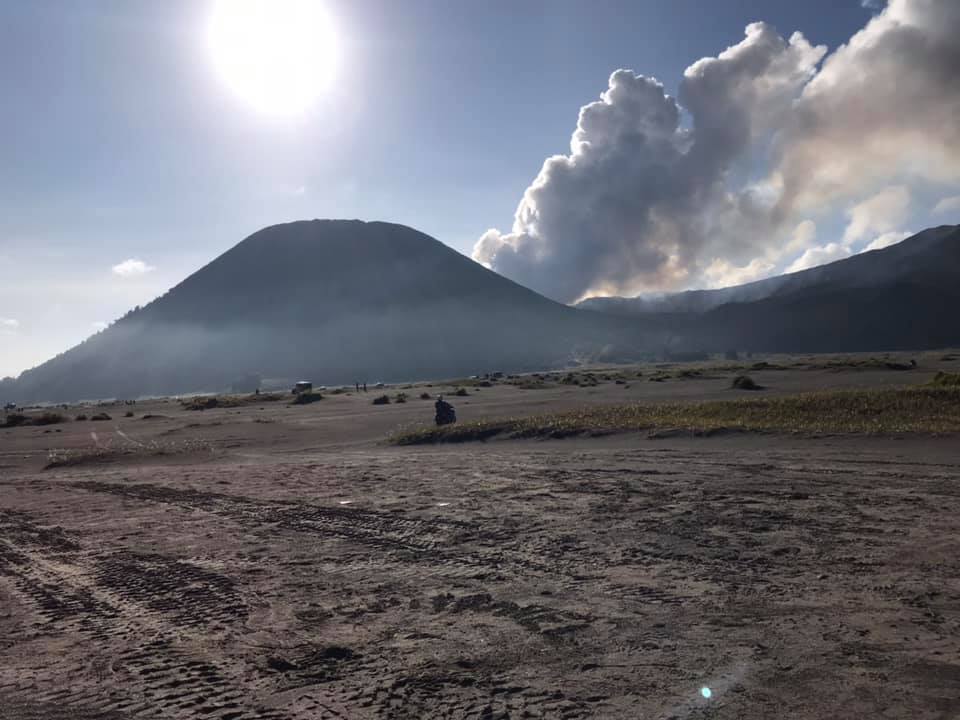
(329, 300)
(920, 254)
(901, 297)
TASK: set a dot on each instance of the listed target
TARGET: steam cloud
(646, 201)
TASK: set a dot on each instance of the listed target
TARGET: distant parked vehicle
(10, 406)
(379, 385)
(302, 387)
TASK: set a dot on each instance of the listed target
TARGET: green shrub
(424, 396)
(461, 392)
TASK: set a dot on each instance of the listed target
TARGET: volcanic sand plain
(273, 560)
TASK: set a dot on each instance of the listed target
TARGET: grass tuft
(945, 379)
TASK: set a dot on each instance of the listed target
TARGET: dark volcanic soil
(612, 578)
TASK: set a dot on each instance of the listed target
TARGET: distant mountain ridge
(900, 297)
(334, 301)
(867, 269)
(343, 301)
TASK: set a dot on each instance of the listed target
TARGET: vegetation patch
(209, 402)
(22, 419)
(529, 383)
(901, 410)
(107, 453)
(382, 400)
(945, 379)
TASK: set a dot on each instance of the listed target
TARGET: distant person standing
(364, 387)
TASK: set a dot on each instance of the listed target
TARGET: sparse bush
(400, 398)
(80, 418)
(744, 382)
(49, 418)
(424, 396)
(128, 413)
(382, 400)
(461, 392)
(99, 417)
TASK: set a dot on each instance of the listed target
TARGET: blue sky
(120, 142)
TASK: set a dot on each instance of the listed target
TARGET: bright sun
(278, 55)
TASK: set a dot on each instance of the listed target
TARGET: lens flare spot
(706, 692)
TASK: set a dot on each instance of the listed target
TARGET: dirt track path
(573, 580)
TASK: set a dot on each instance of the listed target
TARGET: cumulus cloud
(881, 213)
(947, 205)
(661, 193)
(132, 268)
(641, 199)
(887, 239)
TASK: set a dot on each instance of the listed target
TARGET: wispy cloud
(8, 326)
(132, 268)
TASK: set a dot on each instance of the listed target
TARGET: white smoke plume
(648, 201)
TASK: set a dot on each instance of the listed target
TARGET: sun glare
(277, 55)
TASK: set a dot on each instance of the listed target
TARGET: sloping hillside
(920, 255)
(901, 297)
(333, 301)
